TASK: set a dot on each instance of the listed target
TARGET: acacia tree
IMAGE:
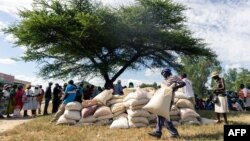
(83, 38)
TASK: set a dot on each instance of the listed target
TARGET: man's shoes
(153, 134)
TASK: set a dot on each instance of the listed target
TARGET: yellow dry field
(40, 129)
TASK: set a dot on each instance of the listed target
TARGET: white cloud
(11, 6)
(232, 66)
(10, 38)
(118, 2)
(224, 26)
(2, 25)
(152, 72)
(97, 81)
(6, 61)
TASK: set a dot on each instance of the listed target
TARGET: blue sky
(223, 24)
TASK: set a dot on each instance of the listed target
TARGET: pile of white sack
(71, 114)
(183, 111)
(136, 108)
(137, 117)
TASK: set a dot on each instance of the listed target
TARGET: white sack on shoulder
(160, 102)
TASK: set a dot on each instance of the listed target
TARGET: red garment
(18, 97)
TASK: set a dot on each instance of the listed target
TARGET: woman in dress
(31, 103)
(221, 106)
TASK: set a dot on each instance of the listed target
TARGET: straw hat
(214, 73)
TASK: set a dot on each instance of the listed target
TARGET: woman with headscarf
(31, 103)
(11, 102)
(221, 104)
(4, 96)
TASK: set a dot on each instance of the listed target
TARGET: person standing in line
(131, 85)
(188, 88)
(118, 90)
(221, 106)
(70, 93)
(80, 92)
(40, 98)
(87, 93)
(48, 94)
(19, 103)
(31, 103)
(4, 99)
(56, 98)
(11, 103)
(161, 121)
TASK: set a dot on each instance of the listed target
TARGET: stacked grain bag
(150, 92)
(137, 117)
(71, 114)
(103, 113)
(89, 108)
(95, 111)
(183, 109)
(117, 106)
(126, 91)
(120, 122)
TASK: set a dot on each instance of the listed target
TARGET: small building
(7, 79)
(18, 82)
(10, 79)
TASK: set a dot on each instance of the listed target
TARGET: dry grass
(41, 129)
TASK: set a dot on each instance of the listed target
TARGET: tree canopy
(70, 38)
(234, 78)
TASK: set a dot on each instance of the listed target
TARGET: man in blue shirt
(118, 88)
(70, 94)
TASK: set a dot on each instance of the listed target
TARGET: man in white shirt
(188, 88)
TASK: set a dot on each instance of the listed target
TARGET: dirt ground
(7, 124)
(10, 123)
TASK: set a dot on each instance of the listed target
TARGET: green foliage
(198, 70)
(154, 85)
(82, 38)
(234, 78)
(230, 77)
